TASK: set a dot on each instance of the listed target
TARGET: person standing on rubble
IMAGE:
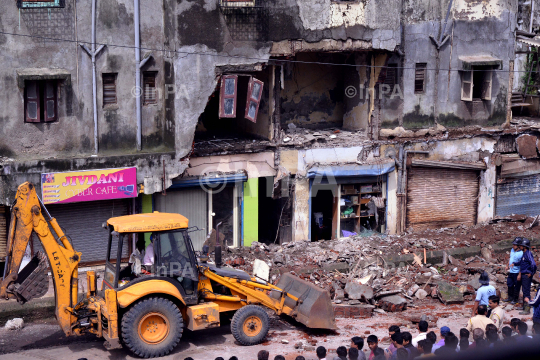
(513, 271)
(483, 293)
(527, 269)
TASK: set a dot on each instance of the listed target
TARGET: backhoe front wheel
(152, 327)
(250, 325)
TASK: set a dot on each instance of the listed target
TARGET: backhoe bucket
(315, 308)
(33, 281)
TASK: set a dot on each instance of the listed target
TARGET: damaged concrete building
(281, 120)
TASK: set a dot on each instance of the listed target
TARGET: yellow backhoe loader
(147, 311)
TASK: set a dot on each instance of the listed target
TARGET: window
(25, 4)
(109, 89)
(477, 84)
(40, 101)
(149, 88)
(420, 78)
(253, 101)
(228, 96)
(391, 75)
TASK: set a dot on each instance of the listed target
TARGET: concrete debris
(373, 269)
(421, 294)
(393, 303)
(284, 341)
(449, 294)
(14, 324)
(358, 291)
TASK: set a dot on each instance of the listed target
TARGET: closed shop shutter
(82, 222)
(519, 196)
(3, 232)
(438, 197)
(193, 204)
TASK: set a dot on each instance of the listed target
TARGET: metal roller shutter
(82, 222)
(519, 196)
(438, 197)
(3, 232)
(193, 204)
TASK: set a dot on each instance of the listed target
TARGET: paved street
(44, 340)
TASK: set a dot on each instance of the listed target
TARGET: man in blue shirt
(513, 271)
(526, 272)
(483, 293)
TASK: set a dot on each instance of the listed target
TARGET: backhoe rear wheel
(152, 327)
(250, 325)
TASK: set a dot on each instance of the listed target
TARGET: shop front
(82, 201)
(348, 200)
(206, 202)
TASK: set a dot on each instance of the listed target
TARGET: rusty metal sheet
(438, 197)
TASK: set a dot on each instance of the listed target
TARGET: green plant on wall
(531, 84)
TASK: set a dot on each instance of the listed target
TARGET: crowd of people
(485, 327)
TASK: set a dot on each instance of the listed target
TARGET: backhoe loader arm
(30, 215)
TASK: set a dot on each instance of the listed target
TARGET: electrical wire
(266, 60)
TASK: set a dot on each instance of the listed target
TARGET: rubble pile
(354, 270)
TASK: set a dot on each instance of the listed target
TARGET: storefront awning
(351, 170)
(206, 181)
(529, 41)
(467, 62)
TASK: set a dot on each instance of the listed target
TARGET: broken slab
(393, 303)
(358, 291)
(526, 146)
(449, 294)
(353, 311)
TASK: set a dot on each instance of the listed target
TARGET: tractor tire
(250, 325)
(152, 327)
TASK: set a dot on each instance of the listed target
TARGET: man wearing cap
(513, 271)
(444, 331)
(527, 269)
(483, 293)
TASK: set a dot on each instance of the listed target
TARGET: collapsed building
(283, 120)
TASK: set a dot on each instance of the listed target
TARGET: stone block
(449, 294)
(421, 294)
(358, 291)
(393, 303)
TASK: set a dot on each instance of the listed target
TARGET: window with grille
(40, 101)
(28, 4)
(420, 78)
(391, 75)
(149, 87)
(109, 89)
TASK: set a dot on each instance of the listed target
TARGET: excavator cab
(173, 260)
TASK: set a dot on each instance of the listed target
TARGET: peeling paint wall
(475, 28)
(73, 133)
(301, 205)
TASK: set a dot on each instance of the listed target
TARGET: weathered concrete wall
(73, 133)
(475, 28)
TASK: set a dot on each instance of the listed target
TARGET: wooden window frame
(41, 100)
(487, 85)
(147, 98)
(251, 99)
(103, 78)
(420, 75)
(223, 96)
(467, 80)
